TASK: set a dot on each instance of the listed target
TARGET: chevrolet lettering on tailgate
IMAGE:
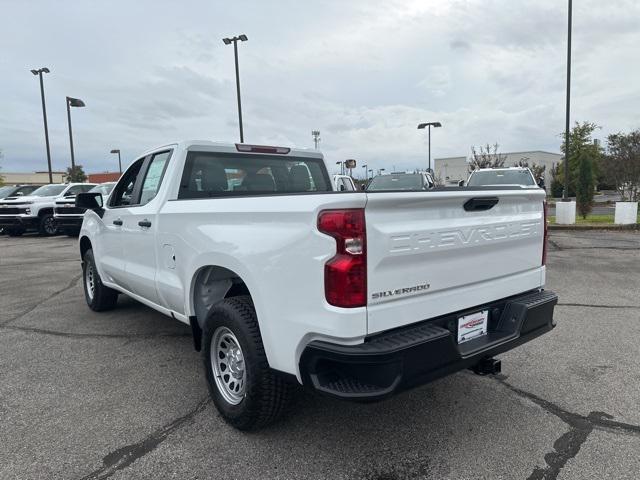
(462, 237)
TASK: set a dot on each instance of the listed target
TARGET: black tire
(98, 297)
(266, 395)
(47, 225)
(14, 232)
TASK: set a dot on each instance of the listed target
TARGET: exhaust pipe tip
(488, 366)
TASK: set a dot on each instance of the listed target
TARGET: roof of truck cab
(499, 168)
(227, 147)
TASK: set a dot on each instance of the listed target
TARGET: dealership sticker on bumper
(472, 326)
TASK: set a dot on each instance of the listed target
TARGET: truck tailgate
(429, 255)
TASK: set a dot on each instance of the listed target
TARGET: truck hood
(26, 199)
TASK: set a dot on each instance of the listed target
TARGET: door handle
(117, 222)
(144, 223)
(480, 204)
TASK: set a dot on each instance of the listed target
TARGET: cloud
(363, 72)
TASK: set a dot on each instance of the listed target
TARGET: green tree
(622, 164)
(581, 145)
(585, 186)
(486, 157)
(76, 174)
(556, 181)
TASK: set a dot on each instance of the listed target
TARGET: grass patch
(591, 219)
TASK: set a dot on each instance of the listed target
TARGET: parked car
(521, 176)
(343, 183)
(285, 281)
(68, 217)
(16, 190)
(19, 214)
(401, 181)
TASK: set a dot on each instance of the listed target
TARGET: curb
(605, 226)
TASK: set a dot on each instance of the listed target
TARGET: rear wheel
(98, 297)
(246, 392)
(47, 225)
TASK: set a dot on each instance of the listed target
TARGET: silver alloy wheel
(90, 280)
(50, 226)
(227, 363)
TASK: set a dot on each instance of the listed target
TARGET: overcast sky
(362, 72)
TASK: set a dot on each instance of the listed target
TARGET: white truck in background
(343, 183)
(68, 218)
(19, 214)
(285, 281)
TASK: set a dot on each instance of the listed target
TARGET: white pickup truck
(19, 214)
(285, 281)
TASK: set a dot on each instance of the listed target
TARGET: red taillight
(243, 147)
(345, 274)
(546, 233)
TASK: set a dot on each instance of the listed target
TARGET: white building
(450, 170)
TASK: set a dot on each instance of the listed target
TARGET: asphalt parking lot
(122, 395)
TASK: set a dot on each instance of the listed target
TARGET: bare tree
(537, 170)
(1, 177)
(486, 157)
(437, 179)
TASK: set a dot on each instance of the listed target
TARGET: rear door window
(209, 174)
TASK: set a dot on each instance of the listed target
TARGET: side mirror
(89, 200)
(19, 194)
(541, 182)
(363, 187)
(461, 183)
(342, 189)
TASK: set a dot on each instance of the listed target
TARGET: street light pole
(117, 150)
(366, 174)
(429, 125)
(39, 72)
(72, 102)
(565, 192)
(234, 40)
(316, 137)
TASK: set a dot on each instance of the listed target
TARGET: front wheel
(47, 225)
(98, 297)
(246, 392)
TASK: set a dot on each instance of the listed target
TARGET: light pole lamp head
(243, 38)
(429, 124)
(227, 41)
(75, 102)
(115, 150)
(40, 70)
